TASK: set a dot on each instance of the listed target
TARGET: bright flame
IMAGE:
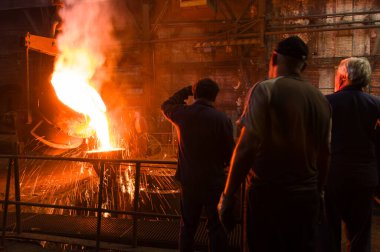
(71, 81)
(87, 50)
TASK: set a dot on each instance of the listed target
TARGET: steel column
(136, 203)
(100, 203)
(17, 195)
(6, 200)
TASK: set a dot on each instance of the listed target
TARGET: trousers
(193, 202)
(279, 220)
(351, 205)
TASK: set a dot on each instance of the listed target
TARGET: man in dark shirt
(354, 169)
(205, 144)
(284, 149)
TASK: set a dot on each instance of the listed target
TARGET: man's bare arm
(241, 162)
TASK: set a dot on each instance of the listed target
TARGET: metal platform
(153, 233)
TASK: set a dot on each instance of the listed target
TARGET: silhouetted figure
(284, 149)
(205, 144)
(141, 130)
(354, 169)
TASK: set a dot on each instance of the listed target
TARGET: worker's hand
(226, 212)
(188, 90)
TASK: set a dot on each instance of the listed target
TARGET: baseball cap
(294, 47)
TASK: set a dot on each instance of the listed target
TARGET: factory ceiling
(226, 21)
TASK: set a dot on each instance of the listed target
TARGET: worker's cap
(206, 88)
(293, 47)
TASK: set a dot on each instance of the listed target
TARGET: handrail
(100, 203)
(100, 162)
(5, 213)
(136, 203)
(89, 160)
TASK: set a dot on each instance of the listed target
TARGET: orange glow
(71, 80)
(86, 48)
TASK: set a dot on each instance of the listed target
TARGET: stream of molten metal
(72, 83)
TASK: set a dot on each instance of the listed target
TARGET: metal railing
(13, 164)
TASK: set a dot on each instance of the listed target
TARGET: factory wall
(166, 46)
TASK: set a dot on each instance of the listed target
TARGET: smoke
(90, 47)
(87, 40)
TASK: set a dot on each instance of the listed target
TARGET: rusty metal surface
(41, 44)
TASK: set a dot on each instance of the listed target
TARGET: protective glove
(226, 212)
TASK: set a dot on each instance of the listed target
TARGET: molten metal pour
(112, 171)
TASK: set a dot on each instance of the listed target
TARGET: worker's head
(289, 57)
(205, 89)
(353, 71)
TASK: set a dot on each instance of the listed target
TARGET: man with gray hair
(355, 147)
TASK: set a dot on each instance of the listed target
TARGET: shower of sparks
(76, 184)
(79, 72)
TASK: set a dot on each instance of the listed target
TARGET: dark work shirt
(355, 130)
(205, 140)
(289, 120)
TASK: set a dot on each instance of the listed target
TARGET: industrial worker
(141, 132)
(205, 145)
(355, 147)
(284, 149)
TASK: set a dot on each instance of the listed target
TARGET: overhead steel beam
(204, 22)
(376, 47)
(41, 44)
(160, 16)
(25, 4)
(245, 20)
(249, 41)
(258, 35)
(246, 10)
(306, 30)
(189, 3)
(261, 14)
(146, 20)
(36, 30)
(328, 15)
(372, 22)
(229, 10)
(133, 18)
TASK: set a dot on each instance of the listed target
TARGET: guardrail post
(242, 215)
(17, 195)
(6, 201)
(100, 203)
(136, 203)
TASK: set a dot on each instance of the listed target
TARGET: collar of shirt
(204, 102)
(351, 87)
